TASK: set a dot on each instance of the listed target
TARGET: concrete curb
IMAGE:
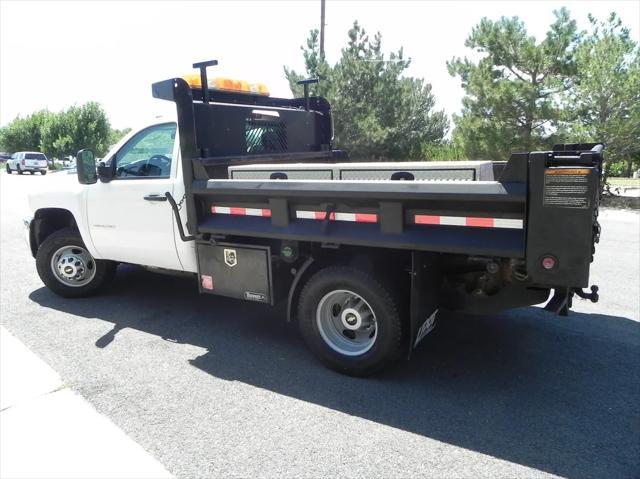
(621, 202)
(50, 431)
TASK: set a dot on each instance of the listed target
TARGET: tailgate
(564, 195)
(36, 163)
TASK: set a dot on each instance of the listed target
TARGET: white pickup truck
(364, 256)
(78, 233)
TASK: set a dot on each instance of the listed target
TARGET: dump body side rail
(484, 218)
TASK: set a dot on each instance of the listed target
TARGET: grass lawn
(624, 181)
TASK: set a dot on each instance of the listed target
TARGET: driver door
(129, 218)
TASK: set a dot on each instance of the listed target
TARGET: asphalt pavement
(49, 431)
(217, 387)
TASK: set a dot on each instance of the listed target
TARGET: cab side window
(148, 154)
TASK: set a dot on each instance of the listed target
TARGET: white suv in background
(30, 161)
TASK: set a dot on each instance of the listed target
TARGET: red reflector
(207, 281)
(548, 262)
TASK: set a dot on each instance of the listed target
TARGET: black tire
(389, 342)
(104, 270)
(32, 172)
(8, 168)
(43, 172)
(19, 170)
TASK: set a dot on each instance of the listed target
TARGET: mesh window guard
(265, 136)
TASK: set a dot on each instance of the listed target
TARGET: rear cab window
(35, 156)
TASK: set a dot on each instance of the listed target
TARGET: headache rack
(221, 128)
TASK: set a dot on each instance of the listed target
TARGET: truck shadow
(556, 394)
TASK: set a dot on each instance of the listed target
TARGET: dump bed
(541, 206)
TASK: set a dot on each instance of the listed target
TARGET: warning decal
(566, 187)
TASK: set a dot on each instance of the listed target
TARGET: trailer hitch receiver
(593, 296)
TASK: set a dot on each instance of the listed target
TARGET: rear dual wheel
(351, 321)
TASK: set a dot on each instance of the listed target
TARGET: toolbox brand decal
(426, 327)
(230, 257)
(255, 296)
(206, 281)
(477, 222)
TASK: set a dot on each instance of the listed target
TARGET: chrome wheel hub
(346, 322)
(73, 266)
(351, 319)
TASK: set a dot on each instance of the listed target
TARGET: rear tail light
(549, 262)
(22, 162)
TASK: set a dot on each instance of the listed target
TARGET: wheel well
(392, 264)
(47, 221)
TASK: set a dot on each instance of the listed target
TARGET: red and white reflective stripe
(469, 221)
(231, 210)
(355, 217)
(473, 221)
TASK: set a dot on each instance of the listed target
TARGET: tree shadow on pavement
(552, 393)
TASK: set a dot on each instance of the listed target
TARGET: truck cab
(123, 220)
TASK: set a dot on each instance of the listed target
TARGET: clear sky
(54, 54)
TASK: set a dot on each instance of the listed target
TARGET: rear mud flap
(425, 288)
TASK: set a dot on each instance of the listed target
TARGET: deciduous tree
(60, 134)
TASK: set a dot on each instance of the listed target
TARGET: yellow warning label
(566, 187)
(567, 171)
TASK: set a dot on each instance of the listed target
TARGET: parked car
(30, 161)
(68, 161)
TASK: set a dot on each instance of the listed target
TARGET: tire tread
(383, 294)
(105, 270)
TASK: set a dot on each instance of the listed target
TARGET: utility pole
(322, 28)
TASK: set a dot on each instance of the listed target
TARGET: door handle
(155, 197)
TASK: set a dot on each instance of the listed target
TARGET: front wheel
(68, 269)
(8, 168)
(32, 172)
(351, 321)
